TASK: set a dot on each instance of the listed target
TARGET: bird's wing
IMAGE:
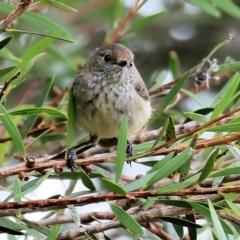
(140, 86)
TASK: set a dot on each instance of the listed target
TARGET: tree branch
(21, 8)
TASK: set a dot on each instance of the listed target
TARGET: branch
(143, 216)
(21, 8)
(104, 197)
(123, 24)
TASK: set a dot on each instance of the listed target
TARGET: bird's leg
(72, 153)
(111, 142)
(129, 149)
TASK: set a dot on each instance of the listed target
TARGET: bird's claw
(71, 157)
(129, 151)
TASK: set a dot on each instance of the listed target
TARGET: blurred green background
(178, 26)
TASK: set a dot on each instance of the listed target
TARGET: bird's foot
(71, 157)
(129, 151)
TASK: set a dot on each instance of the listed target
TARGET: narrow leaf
(173, 63)
(121, 148)
(170, 167)
(161, 133)
(12, 130)
(230, 127)
(126, 220)
(61, 6)
(228, 7)
(206, 6)
(169, 98)
(5, 41)
(74, 215)
(184, 169)
(226, 98)
(37, 110)
(87, 181)
(202, 111)
(208, 166)
(180, 222)
(143, 21)
(216, 223)
(113, 187)
(170, 133)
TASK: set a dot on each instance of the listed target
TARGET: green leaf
(173, 63)
(39, 227)
(204, 211)
(4, 42)
(17, 197)
(53, 137)
(10, 231)
(39, 21)
(40, 34)
(180, 222)
(178, 186)
(54, 232)
(161, 133)
(161, 163)
(233, 81)
(126, 220)
(159, 80)
(24, 187)
(12, 130)
(116, 13)
(206, 6)
(33, 187)
(169, 98)
(192, 231)
(113, 187)
(171, 166)
(103, 172)
(25, 67)
(195, 97)
(229, 127)
(202, 111)
(37, 110)
(179, 230)
(226, 97)
(74, 214)
(143, 21)
(208, 166)
(11, 226)
(228, 7)
(87, 181)
(71, 121)
(232, 66)
(30, 120)
(225, 172)
(4, 71)
(121, 148)
(197, 117)
(234, 207)
(61, 6)
(216, 223)
(184, 169)
(139, 182)
(170, 133)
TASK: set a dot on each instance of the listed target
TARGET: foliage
(190, 161)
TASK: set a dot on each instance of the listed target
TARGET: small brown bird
(108, 88)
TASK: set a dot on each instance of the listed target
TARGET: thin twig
(119, 32)
(22, 7)
(104, 197)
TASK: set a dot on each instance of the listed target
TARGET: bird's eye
(107, 58)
